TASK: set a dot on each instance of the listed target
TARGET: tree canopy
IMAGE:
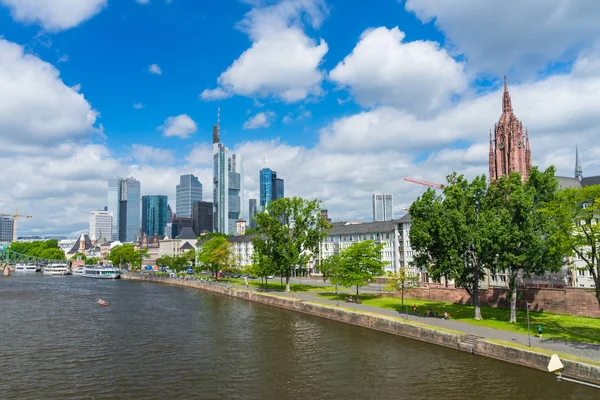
(359, 263)
(42, 249)
(215, 254)
(122, 255)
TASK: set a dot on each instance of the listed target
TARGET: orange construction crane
(16, 217)
(426, 183)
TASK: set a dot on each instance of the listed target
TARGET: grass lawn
(555, 326)
(277, 286)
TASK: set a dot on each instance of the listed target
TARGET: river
(163, 342)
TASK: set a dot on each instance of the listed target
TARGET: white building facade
(101, 224)
(383, 207)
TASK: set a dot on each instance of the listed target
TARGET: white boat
(78, 271)
(57, 269)
(101, 272)
(26, 268)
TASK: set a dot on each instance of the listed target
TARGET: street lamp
(528, 326)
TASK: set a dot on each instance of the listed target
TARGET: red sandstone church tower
(509, 149)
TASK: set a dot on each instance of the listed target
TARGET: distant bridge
(10, 257)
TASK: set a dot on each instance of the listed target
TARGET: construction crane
(426, 183)
(16, 217)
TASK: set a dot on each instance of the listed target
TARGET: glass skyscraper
(188, 192)
(154, 215)
(383, 207)
(227, 185)
(271, 187)
(123, 201)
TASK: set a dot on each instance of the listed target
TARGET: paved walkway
(585, 350)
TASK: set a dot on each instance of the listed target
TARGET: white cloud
(64, 58)
(155, 69)
(499, 36)
(215, 94)
(383, 69)
(151, 155)
(283, 61)
(291, 117)
(36, 106)
(54, 15)
(260, 120)
(182, 126)
(138, 106)
(142, 1)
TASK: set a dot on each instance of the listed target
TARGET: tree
(164, 261)
(331, 268)
(216, 255)
(401, 281)
(522, 236)
(92, 261)
(360, 262)
(122, 255)
(577, 211)
(291, 229)
(139, 256)
(261, 266)
(450, 233)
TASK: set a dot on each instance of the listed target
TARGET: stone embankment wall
(570, 301)
(394, 326)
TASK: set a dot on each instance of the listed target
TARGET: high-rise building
(169, 214)
(252, 210)
(227, 185)
(7, 224)
(178, 224)
(202, 217)
(509, 149)
(101, 225)
(383, 207)
(124, 204)
(154, 215)
(188, 192)
(271, 187)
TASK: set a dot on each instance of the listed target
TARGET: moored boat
(101, 272)
(57, 269)
(26, 268)
(79, 271)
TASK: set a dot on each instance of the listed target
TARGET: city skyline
(348, 114)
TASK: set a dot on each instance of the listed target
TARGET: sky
(344, 98)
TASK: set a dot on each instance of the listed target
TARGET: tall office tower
(227, 185)
(178, 225)
(382, 207)
(252, 210)
(154, 215)
(189, 191)
(124, 204)
(100, 225)
(271, 187)
(169, 214)
(202, 217)
(7, 224)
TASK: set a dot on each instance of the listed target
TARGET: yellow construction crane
(16, 217)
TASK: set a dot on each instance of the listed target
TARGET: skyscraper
(271, 187)
(154, 215)
(227, 185)
(383, 207)
(189, 191)
(101, 225)
(252, 210)
(7, 225)
(124, 204)
(509, 150)
(202, 217)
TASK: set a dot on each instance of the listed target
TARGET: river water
(163, 342)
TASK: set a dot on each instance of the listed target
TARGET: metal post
(528, 326)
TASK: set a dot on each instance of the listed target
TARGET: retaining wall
(394, 326)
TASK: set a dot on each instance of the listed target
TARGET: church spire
(506, 103)
(578, 169)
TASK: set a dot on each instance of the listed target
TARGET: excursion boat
(57, 269)
(78, 271)
(101, 272)
(26, 268)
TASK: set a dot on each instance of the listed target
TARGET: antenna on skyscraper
(266, 161)
(219, 116)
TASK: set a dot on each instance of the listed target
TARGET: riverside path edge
(426, 333)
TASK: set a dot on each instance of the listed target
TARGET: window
(502, 278)
(580, 272)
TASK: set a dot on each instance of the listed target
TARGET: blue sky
(346, 97)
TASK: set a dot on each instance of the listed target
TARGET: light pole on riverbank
(528, 326)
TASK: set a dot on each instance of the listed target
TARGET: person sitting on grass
(429, 312)
(415, 310)
(445, 315)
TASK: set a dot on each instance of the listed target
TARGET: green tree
(215, 255)
(522, 238)
(577, 211)
(331, 268)
(291, 229)
(122, 255)
(401, 281)
(164, 261)
(450, 233)
(52, 254)
(92, 261)
(139, 256)
(359, 263)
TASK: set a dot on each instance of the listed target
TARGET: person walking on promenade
(539, 328)
(246, 281)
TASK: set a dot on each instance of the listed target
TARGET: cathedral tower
(509, 148)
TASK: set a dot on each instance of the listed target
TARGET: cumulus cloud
(54, 15)
(151, 155)
(283, 61)
(155, 69)
(260, 120)
(383, 69)
(36, 106)
(215, 94)
(181, 126)
(142, 1)
(499, 36)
